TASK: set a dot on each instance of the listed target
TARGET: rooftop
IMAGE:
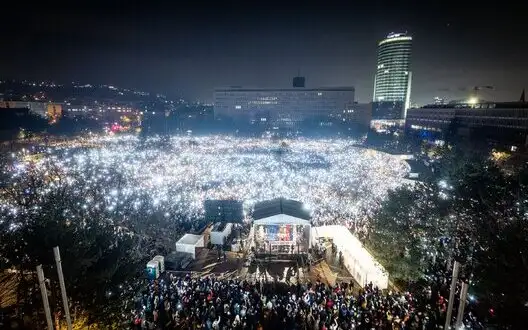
(277, 206)
(288, 89)
(395, 37)
(481, 105)
(219, 226)
(189, 239)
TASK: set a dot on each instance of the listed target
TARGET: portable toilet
(153, 270)
(161, 260)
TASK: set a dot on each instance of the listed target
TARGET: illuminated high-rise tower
(392, 83)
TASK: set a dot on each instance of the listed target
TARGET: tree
(493, 207)
(481, 211)
(100, 258)
(407, 228)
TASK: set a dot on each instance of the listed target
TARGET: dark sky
(188, 49)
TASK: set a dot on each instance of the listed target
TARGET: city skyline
(192, 49)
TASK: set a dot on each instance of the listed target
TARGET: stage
(280, 227)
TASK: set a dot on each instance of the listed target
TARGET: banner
(282, 233)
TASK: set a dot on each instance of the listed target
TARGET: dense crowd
(166, 178)
(213, 304)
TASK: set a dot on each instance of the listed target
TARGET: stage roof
(281, 219)
(278, 206)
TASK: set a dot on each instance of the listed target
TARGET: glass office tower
(392, 83)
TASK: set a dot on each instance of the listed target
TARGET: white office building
(281, 107)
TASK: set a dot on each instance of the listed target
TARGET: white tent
(356, 258)
(220, 232)
(188, 244)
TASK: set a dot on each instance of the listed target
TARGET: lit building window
(238, 107)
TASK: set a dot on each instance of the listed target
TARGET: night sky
(183, 49)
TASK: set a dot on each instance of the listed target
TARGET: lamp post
(44, 293)
(462, 305)
(456, 269)
(56, 252)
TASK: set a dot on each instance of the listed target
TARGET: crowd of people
(208, 303)
(169, 179)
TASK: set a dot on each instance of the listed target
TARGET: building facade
(51, 111)
(358, 114)
(281, 108)
(392, 82)
(38, 108)
(503, 122)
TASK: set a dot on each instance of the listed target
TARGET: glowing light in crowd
(339, 181)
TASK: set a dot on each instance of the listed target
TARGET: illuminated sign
(394, 39)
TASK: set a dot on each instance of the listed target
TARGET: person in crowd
(209, 303)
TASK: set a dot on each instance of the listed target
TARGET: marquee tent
(220, 232)
(188, 244)
(358, 261)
